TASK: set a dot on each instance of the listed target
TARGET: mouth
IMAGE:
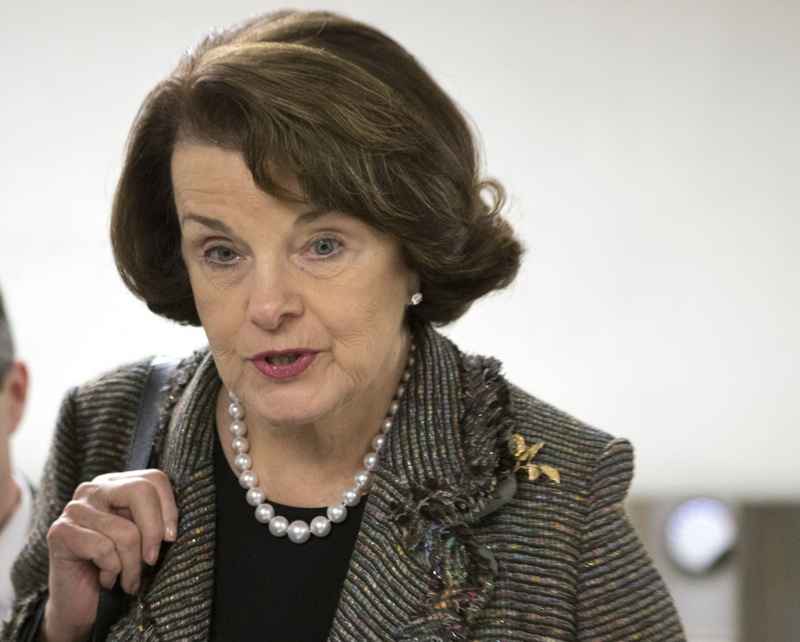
(284, 364)
(282, 359)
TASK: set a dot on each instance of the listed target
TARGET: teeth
(282, 359)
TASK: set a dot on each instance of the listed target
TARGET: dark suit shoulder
(589, 460)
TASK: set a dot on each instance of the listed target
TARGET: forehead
(212, 184)
(193, 166)
(210, 169)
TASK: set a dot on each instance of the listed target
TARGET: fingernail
(152, 554)
(170, 532)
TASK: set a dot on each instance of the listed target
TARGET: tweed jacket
(454, 544)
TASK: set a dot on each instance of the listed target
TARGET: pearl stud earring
(416, 298)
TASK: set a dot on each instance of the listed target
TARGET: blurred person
(331, 467)
(16, 504)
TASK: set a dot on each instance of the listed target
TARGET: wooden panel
(769, 554)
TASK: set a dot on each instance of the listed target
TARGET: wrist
(54, 629)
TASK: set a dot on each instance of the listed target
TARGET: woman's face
(304, 309)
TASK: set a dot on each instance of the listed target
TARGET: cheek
(371, 315)
(393, 289)
(374, 298)
(222, 339)
(217, 313)
(391, 292)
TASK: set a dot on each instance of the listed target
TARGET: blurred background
(651, 152)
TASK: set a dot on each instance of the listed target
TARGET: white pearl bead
(238, 429)
(255, 496)
(264, 513)
(279, 526)
(364, 480)
(351, 497)
(337, 513)
(236, 410)
(299, 532)
(320, 526)
(248, 479)
(371, 461)
(243, 462)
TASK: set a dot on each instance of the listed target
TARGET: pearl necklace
(300, 531)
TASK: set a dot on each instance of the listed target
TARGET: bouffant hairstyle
(353, 119)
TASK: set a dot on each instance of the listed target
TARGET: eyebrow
(219, 226)
(213, 223)
(310, 216)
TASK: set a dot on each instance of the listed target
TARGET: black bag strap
(147, 419)
(113, 601)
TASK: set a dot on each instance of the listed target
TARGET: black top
(268, 588)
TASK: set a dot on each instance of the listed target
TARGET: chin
(294, 404)
(289, 413)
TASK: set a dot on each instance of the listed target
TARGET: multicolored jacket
(494, 516)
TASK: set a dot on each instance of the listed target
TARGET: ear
(16, 387)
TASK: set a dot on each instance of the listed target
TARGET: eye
(325, 246)
(219, 254)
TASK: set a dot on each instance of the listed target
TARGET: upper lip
(273, 353)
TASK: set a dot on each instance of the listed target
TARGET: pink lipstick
(284, 364)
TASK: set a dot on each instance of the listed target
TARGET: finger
(139, 498)
(145, 497)
(163, 488)
(131, 501)
(72, 546)
(107, 530)
(169, 509)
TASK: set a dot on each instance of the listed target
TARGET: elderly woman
(331, 468)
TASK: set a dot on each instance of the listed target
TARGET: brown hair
(350, 115)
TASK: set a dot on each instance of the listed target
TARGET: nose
(274, 298)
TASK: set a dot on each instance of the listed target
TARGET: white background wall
(652, 150)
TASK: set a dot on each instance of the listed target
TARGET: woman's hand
(112, 525)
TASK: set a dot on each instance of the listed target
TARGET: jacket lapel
(178, 603)
(416, 570)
